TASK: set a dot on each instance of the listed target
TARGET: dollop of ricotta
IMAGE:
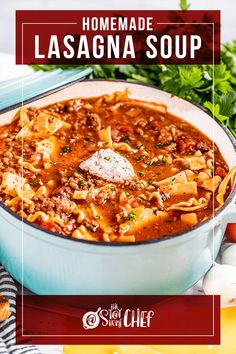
(108, 165)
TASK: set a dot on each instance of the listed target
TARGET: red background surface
(177, 320)
(29, 23)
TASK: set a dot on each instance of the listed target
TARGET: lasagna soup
(111, 169)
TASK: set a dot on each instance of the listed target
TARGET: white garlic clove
(221, 280)
(229, 256)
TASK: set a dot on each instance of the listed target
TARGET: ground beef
(93, 121)
(65, 191)
(73, 106)
(63, 204)
(202, 147)
(186, 146)
(220, 172)
(165, 135)
(133, 185)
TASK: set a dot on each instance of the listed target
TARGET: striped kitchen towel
(8, 328)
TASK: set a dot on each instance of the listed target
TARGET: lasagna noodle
(196, 162)
(157, 196)
(190, 175)
(123, 147)
(15, 185)
(105, 136)
(159, 108)
(189, 218)
(82, 233)
(210, 184)
(201, 176)
(117, 96)
(96, 214)
(183, 188)
(143, 217)
(12, 202)
(42, 126)
(10, 182)
(28, 166)
(47, 147)
(25, 192)
(82, 195)
(23, 116)
(178, 178)
(43, 190)
(191, 205)
(46, 218)
(126, 238)
(224, 184)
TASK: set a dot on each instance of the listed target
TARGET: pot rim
(144, 242)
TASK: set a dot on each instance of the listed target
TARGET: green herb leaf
(65, 150)
(138, 158)
(184, 5)
(132, 216)
(125, 139)
(36, 183)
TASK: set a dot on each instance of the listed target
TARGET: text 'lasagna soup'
(110, 168)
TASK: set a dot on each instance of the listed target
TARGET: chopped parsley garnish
(81, 184)
(112, 188)
(131, 216)
(140, 146)
(88, 138)
(141, 174)
(65, 150)
(149, 163)
(36, 183)
(138, 158)
(159, 145)
(107, 158)
(125, 139)
(84, 155)
(164, 160)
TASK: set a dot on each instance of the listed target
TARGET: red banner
(136, 319)
(117, 37)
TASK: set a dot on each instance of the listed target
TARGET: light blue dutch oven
(51, 264)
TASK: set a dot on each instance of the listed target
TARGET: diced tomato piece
(220, 171)
(119, 131)
(186, 146)
(52, 226)
(125, 128)
(230, 232)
